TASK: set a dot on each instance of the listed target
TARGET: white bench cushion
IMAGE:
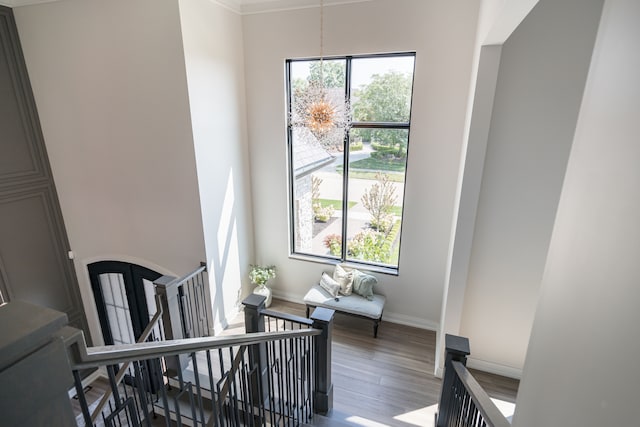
(353, 304)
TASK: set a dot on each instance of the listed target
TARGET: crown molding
(18, 3)
(252, 7)
(232, 5)
(241, 7)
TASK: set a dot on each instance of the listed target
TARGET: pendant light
(323, 112)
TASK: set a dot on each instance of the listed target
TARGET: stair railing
(219, 393)
(125, 367)
(463, 402)
(308, 387)
(256, 379)
(185, 312)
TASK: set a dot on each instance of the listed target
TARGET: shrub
(322, 214)
(333, 242)
(355, 145)
(369, 245)
(379, 200)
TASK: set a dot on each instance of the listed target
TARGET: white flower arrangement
(260, 275)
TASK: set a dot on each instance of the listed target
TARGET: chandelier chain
(321, 42)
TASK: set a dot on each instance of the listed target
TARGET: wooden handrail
(94, 357)
(490, 412)
(287, 317)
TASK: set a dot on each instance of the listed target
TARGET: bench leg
(307, 311)
(375, 328)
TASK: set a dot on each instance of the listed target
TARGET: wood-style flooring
(386, 381)
(389, 381)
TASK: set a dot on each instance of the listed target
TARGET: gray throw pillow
(363, 284)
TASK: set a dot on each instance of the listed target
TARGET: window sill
(392, 271)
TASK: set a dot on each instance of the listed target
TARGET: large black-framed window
(347, 188)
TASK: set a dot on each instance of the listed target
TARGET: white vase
(265, 292)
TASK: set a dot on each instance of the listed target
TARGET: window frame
(371, 266)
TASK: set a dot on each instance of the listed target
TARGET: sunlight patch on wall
(226, 219)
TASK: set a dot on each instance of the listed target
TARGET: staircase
(276, 374)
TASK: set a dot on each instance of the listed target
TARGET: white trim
(387, 316)
(241, 7)
(439, 372)
(416, 322)
(18, 3)
(252, 7)
(223, 324)
(84, 262)
(494, 368)
(232, 5)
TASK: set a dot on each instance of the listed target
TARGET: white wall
(442, 33)
(213, 52)
(110, 87)
(543, 67)
(497, 18)
(582, 364)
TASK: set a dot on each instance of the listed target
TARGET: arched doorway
(124, 297)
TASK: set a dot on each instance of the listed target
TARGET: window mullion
(345, 166)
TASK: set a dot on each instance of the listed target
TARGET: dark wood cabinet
(34, 262)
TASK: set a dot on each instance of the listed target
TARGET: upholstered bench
(353, 305)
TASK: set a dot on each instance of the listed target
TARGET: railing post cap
(254, 301)
(456, 344)
(164, 282)
(323, 315)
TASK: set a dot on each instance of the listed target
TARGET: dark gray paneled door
(34, 265)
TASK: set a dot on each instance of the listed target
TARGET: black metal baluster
(198, 389)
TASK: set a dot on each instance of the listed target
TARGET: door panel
(31, 253)
(22, 159)
(34, 265)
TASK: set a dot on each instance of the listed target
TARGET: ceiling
(244, 7)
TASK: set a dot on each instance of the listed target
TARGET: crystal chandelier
(318, 110)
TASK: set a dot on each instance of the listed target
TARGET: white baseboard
(494, 368)
(220, 326)
(387, 316)
(415, 322)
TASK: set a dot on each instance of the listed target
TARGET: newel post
(167, 289)
(456, 349)
(323, 393)
(254, 322)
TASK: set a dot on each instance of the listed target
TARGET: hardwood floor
(386, 381)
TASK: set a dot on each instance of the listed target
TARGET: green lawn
(397, 210)
(337, 204)
(390, 165)
(356, 174)
(366, 168)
